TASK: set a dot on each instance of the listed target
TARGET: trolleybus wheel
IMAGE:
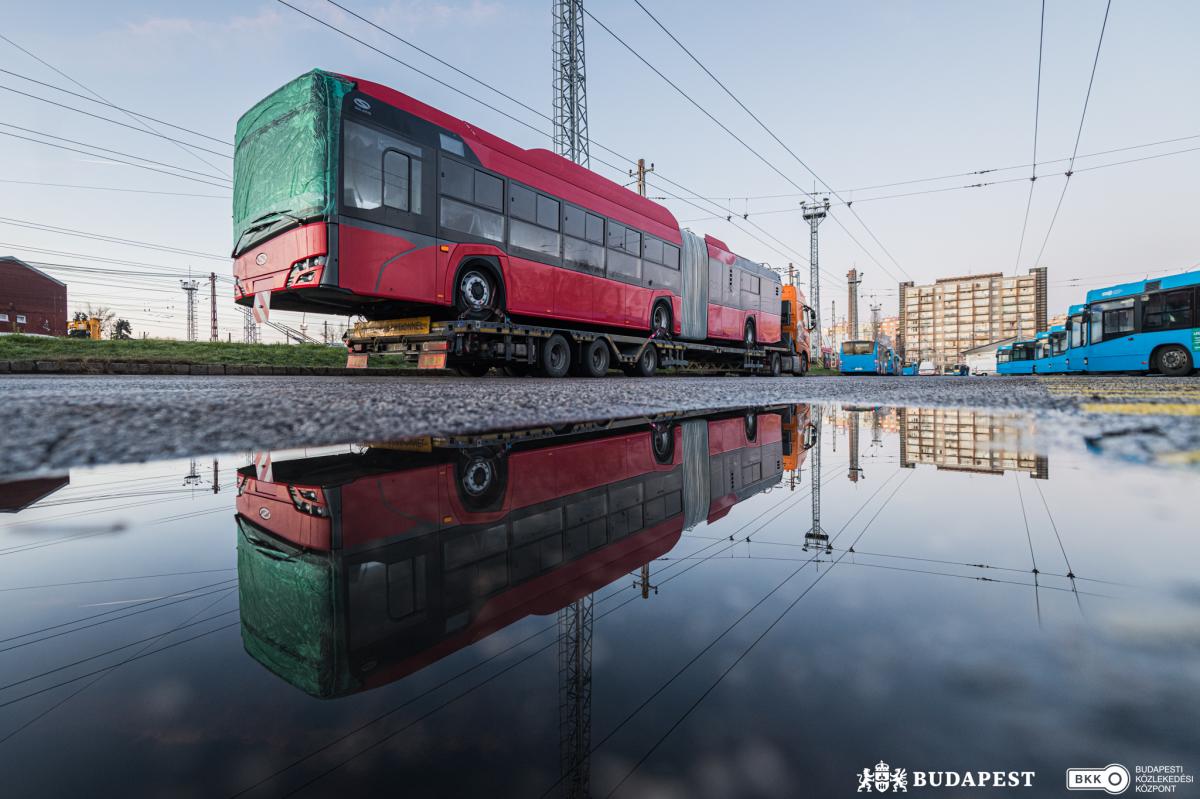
(1174, 361)
(481, 477)
(748, 335)
(660, 319)
(751, 423)
(478, 296)
(594, 359)
(555, 357)
(775, 364)
(803, 364)
(662, 443)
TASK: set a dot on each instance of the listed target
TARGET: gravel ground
(53, 422)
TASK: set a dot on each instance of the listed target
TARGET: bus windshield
(285, 158)
(858, 347)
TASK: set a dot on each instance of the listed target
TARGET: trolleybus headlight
(305, 272)
(307, 500)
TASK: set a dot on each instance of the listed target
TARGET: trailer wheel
(1174, 361)
(646, 365)
(554, 359)
(478, 294)
(515, 370)
(594, 359)
(775, 364)
(472, 369)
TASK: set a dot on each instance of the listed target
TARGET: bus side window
(1112, 320)
(1167, 310)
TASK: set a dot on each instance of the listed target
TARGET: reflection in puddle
(758, 602)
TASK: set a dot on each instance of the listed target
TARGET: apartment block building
(942, 320)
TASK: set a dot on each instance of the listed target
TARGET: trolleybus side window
(535, 223)
(1112, 320)
(578, 251)
(480, 212)
(1167, 310)
(653, 251)
(380, 170)
(670, 256)
(624, 253)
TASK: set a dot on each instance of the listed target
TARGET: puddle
(647, 606)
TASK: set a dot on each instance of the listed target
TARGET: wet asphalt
(54, 422)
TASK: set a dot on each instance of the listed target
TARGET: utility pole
(852, 281)
(640, 173)
(216, 478)
(570, 83)
(814, 215)
(876, 309)
(574, 620)
(190, 287)
(212, 298)
(856, 473)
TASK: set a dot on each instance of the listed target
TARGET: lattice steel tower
(816, 536)
(575, 620)
(190, 287)
(814, 215)
(570, 83)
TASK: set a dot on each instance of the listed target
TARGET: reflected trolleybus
(352, 198)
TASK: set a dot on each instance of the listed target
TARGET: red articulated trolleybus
(360, 568)
(466, 251)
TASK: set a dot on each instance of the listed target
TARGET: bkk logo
(884, 779)
(1112, 779)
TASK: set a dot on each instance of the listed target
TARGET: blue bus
(910, 370)
(1016, 358)
(891, 363)
(1051, 352)
(864, 358)
(1077, 338)
(1147, 326)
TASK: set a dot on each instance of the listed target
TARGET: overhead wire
(1078, 135)
(1037, 110)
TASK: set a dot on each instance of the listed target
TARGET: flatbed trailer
(471, 347)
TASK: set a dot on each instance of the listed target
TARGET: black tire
(774, 364)
(751, 424)
(477, 294)
(803, 364)
(516, 370)
(646, 365)
(749, 338)
(1174, 360)
(660, 319)
(471, 369)
(554, 356)
(594, 359)
(481, 476)
(662, 443)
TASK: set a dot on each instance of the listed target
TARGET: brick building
(942, 320)
(30, 300)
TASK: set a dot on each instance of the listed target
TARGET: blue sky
(866, 93)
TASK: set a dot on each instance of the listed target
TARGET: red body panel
(265, 267)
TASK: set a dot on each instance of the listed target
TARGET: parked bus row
(352, 198)
(1145, 326)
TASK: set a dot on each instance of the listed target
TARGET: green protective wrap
(290, 602)
(286, 152)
